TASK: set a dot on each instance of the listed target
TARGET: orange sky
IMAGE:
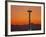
(20, 16)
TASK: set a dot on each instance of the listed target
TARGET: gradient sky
(20, 16)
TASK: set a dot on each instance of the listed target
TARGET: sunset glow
(20, 16)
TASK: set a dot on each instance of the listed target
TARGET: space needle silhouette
(29, 11)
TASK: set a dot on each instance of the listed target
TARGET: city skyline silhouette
(21, 20)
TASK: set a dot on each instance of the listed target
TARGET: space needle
(29, 11)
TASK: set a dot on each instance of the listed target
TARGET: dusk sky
(20, 16)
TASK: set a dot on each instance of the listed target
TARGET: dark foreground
(25, 27)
